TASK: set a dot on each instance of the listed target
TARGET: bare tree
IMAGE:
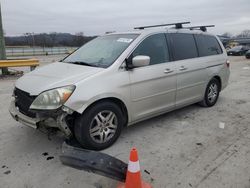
(227, 34)
(30, 37)
(26, 39)
(53, 38)
(79, 39)
(245, 33)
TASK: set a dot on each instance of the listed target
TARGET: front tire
(212, 93)
(100, 126)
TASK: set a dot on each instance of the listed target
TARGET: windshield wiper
(82, 63)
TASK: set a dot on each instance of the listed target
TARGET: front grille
(23, 102)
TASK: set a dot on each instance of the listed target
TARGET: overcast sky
(94, 17)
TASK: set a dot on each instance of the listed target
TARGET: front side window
(102, 51)
(154, 46)
(207, 45)
(184, 46)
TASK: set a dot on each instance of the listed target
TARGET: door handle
(182, 68)
(167, 71)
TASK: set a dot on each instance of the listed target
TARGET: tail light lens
(228, 63)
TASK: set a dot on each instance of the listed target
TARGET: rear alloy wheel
(211, 94)
(100, 126)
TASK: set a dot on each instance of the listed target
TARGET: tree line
(48, 39)
(66, 39)
(243, 34)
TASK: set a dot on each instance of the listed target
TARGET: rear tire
(212, 93)
(100, 126)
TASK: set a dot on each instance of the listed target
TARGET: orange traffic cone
(133, 178)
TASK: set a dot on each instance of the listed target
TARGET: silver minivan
(120, 79)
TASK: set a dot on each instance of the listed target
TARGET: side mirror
(140, 61)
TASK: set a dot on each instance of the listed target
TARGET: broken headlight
(52, 99)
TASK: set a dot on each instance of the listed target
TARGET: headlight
(52, 99)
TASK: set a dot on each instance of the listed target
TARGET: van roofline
(166, 30)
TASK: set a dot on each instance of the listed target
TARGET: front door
(153, 87)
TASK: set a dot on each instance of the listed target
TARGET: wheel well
(118, 102)
(219, 79)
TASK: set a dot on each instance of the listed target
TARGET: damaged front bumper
(42, 119)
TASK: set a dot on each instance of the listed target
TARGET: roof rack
(200, 27)
(177, 25)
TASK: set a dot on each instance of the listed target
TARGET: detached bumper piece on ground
(93, 161)
(105, 165)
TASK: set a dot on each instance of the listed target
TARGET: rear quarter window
(207, 45)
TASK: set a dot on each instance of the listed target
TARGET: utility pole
(2, 44)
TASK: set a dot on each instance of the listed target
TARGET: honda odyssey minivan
(120, 79)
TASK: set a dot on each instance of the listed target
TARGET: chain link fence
(32, 51)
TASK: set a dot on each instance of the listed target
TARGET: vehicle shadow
(166, 128)
(179, 114)
(31, 140)
(175, 115)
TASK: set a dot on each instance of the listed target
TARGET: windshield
(102, 51)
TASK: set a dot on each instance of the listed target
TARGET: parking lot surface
(190, 147)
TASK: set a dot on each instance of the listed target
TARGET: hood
(54, 75)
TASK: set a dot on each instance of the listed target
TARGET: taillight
(228, 63)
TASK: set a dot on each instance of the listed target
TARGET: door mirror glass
(140, 61)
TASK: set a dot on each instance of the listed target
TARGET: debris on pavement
(49, 158)
(7, 172)
(221, 125)
(45, 154)
(147, 172)
(246, 68)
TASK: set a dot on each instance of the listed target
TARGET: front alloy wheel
(103, 127)
(99, 126)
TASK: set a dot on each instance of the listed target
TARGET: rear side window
(154, 46)
(184, 46)
(207, 45)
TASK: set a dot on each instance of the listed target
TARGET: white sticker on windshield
(126, 40)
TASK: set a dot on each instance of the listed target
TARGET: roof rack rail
(178, 25)
(200, 27)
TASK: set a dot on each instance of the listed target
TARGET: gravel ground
(190, 147)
